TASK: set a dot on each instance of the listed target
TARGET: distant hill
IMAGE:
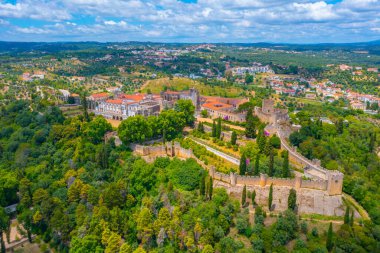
(372, 47)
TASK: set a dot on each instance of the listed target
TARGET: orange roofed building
(224, 108)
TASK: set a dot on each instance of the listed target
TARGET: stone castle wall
(289, 182)
(247, 180)
(221, 177)
(313, 169)
(313, 196)
(232, 179)
(309, 201)
(314, 184)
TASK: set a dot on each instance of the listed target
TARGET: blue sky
(292, 21)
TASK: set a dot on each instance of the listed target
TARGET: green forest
(77, 193)
(348, 145)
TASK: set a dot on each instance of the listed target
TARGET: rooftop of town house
(100, 95)
(115, 101)
(135, 97)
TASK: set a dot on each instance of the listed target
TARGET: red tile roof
(100, 95)
(216, 106)
(114, 101)
(134, 97)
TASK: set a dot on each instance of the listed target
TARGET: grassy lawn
(179, 83)
(308, 101)
(224, 149)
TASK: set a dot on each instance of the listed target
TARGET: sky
(245, 21)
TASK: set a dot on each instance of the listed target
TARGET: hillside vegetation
(179, 83)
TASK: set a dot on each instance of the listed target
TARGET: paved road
(218, 153)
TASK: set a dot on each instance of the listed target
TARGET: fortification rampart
(314, 170)
(314, 184)
(263, 181)
(221, 177)
(332, 185)
(247, 180)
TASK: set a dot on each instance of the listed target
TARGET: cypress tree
(201, 128)
(243, 165)
(285, 165)
(207, 188)
(253, 197)
(261, 140)
(270, 198)
(233, 138)
(250, 127)
(339, 126)
(352, 218)
(244, 196)
(84, 103)
(347, 216)
(292, 199)
(257, 166)
(271, 163)
(213, 132)
(267, 147)
(210, 189)
(329, 241)
(202, 185)
(2, 243)
(372, 140)
(219, 128)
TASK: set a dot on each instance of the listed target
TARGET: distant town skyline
(208, 21)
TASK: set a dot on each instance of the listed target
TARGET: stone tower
(268, 106)
(195, 98)
(334, 182)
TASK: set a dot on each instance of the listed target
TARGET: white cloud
(33, 30)
(42, 10)
(4, 22)
(268, 20)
